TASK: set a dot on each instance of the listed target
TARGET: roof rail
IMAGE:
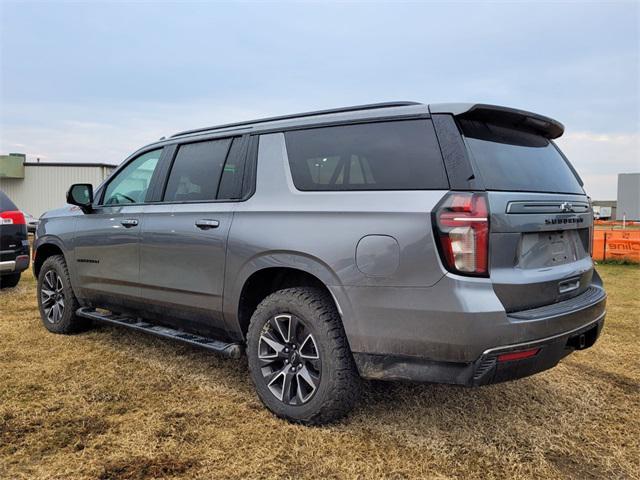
(370, 106)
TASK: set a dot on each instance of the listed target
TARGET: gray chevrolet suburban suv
(436, 243)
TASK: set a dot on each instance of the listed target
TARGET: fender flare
(278, 259)
(47, 240)
(57, 242)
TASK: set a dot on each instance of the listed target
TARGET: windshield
(509, 159)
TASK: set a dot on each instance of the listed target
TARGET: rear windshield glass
(509, 159)
(5, 203)
(401, 155)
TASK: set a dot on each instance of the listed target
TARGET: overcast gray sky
(90, 81)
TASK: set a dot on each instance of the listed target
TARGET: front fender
(59, 232)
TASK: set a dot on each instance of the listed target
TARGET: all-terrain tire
(9, 281)
(66, 321)
(338, 388)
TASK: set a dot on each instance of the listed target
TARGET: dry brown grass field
(114, 404)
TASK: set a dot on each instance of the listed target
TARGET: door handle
(206, 224)
(129, 222)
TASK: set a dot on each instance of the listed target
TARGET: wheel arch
(268, 273)
(45, 248)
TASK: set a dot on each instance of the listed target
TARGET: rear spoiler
(519, 119)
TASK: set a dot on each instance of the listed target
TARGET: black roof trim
(355, 108)
(69, 164)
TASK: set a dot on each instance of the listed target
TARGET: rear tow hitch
(583, 340)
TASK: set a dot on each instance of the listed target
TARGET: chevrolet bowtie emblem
(566, 207)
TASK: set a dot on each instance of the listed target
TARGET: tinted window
(131, 184)
(233, 172)
(402, 155)
(196, 171)
(509, 159)
(5, 203)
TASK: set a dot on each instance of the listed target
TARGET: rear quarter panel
(318, 232)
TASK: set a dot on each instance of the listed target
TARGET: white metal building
(38, 187)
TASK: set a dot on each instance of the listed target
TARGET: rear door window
(515, 160)
(196, 171)
(233, 172)
(399, 155)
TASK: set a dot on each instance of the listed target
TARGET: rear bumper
(18, 265)
(488, 368)
(555, 331)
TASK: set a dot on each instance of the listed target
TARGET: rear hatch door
(13, 233)
(540, 221)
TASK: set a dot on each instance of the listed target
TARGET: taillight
(12, 217)
(461, 224)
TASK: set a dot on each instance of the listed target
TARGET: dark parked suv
(14, 243)
(435, 243)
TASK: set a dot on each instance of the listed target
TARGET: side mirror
(81, 194)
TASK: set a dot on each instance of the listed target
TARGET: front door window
(132, 183)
